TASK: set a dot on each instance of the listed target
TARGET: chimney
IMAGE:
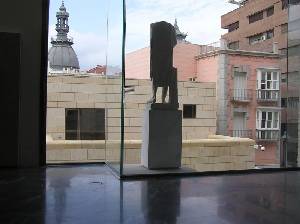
(275, 48)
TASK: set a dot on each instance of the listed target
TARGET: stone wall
(71, 91)
(216, 153)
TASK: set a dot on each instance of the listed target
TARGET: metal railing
(241, 94)
(215, 46)
(241, 133)
(267, 95)
(268, 135)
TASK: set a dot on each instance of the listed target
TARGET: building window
(285, 4)
(268, 80)
(193, 79)
(267, 125)
(270, 11)
(85, 124)
(283, 78)
(189, 111)
(234, 45)
(268, 85)
(234, 26)
(256, 17)
(284, 28)
(293, 103)
(284, 102)
(267, 120)
(294, 2)
(261, 37)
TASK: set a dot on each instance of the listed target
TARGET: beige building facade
(69, 92)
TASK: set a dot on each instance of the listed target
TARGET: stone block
(52, 96)
(113, 105)
(208, 107)
(66, 97)
(81, 97)
(52, 104)
(250, 165)
(143, 90)
(239, 166)
(204, 167)
(116, 122)
(100, 105)
(190, 152)
(132, 106)
(210, 100)
(132, 156)
(66, 104)
(131, 82)
(113, 89)
(192, 92)
(137, 98)
(144, 82)
(114, 113)
(133, 113)
(133, 136)
(58, 155)
(191, 100)
(113, 98)
(222, 166)
(210, 92)
(79, 154)
(135, 122)
(182, 91)
(85, 105)
(206, 114)
(96, 154)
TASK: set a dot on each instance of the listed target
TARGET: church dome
(62, 56)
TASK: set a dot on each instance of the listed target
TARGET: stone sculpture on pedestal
(162, 133)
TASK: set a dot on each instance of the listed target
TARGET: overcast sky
(199, 18)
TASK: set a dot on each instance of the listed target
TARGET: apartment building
(256, 25)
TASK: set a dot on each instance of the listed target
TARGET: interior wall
(30, 19)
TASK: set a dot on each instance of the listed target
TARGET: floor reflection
(91, 194)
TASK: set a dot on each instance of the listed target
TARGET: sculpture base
(162, 138)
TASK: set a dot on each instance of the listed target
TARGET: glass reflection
(293, 113)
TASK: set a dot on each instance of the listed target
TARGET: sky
(201, 19)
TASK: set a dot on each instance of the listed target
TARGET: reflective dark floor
(91, 194)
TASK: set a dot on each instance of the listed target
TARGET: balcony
(241, 95)
(241, 133)
(268, 135)
(267, 95)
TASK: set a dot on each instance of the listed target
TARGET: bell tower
(62, 25)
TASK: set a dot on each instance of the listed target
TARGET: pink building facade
(248, 90)
(138, 62)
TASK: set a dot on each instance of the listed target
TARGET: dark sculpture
(162, 72)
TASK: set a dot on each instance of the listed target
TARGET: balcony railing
(268, 135)
(267, 95)
(244, 95)
(241, 133)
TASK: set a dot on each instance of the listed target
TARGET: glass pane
(292, 147)
(269, 75)
(275, 76)
(77, 99)
(113, 89)
(263, 76)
